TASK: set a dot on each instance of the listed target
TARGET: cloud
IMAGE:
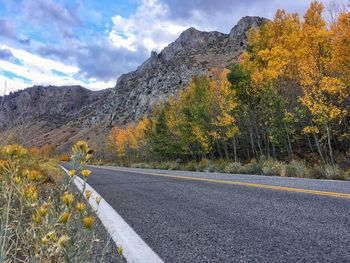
(148, 28)
(88, 43)
(5, 54)
(222, 15)
(7, 29)
(104, 61)
(97, 59)
(156, 23)
(41, 71)
(47, 13)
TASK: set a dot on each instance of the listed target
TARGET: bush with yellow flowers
(42, 218)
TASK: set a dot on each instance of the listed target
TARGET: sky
(92, 42)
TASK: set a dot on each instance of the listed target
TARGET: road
(186, 219)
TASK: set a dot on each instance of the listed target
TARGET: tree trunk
(234, 148)
(274, 151)
(329, 144)
(290, 148)
(219, 148)
(318, 148)
(252, 143)
(225, 150)
(309, 142)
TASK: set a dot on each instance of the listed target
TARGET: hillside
(52, 115)
(61, 115)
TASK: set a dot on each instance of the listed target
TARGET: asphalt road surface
(220, 220)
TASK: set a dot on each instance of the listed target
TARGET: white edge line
(135, 250)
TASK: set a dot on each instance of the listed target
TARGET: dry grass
(296, 168)
(41, 218)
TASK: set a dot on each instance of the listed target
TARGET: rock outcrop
(163, 74)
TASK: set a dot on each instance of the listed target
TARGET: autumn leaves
(288, 97)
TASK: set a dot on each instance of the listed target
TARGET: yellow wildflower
(67, 198)
(80, 146)
(34, 175)
(43, 210)
(3, 164)
(64, 217)
(14, 150)
(120, 251)
(71, 173)
(98, 200)
(88, 194)
(45, 241)
(17, 180)
(52, 235)
(88, 221)
(63, 240)
(80, 207)
(36, 217)
(30, 192)
(85, 173)
(88, 157)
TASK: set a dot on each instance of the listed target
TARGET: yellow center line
(264, 186)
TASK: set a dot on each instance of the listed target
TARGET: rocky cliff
(60, 115)
(163, 74)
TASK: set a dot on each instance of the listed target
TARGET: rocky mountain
(61, 115)
(49, 114)
(163, 74)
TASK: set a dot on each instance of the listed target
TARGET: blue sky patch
(59, 73)
(13, 76)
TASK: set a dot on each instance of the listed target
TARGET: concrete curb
(135, 250)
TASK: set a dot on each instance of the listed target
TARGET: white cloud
(41, 71)
(149, 27)
(153, 25)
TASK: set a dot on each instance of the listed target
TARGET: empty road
(209, 217)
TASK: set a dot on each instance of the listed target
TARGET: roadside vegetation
(257, 167)
(42, 216)
(283, 110)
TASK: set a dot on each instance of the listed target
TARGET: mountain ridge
(82, 113)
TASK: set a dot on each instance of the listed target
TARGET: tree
(223, 109)
(288, 95)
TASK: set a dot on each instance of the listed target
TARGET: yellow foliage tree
(126, 143)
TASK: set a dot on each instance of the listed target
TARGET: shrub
(234, 168)
(191, 166)
(346, 173)
(51, 170)
(155, 165)
(253, 167)
(141, 165)
(173, 165)
(164, 165)
(295, 169)
(271, 167)
(205, 165)
(211, 168)
(220, 165)
(326, 171)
